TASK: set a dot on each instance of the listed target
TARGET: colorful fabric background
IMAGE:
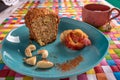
(107, 69)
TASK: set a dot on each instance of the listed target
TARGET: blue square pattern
(111, 62)
(118, 38)
(1, 66)
(117, 75)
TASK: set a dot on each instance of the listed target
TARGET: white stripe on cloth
(2, 78)
(73, 78)
(44, 79)
(91, 77)
(115, 22)
(18, 78)
(110, 76)
(107, 69)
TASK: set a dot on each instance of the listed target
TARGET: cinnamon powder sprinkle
(70, 64)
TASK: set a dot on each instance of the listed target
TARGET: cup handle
(116, 14)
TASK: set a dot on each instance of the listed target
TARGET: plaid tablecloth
(107, 69)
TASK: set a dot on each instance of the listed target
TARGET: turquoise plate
(17, 40)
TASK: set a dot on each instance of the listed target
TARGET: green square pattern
(115, 3)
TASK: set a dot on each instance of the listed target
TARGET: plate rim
(62, 76)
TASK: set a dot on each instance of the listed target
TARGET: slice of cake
(42, 24)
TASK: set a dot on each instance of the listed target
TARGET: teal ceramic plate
(17, 40)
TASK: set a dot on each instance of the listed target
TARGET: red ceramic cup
(98, 14)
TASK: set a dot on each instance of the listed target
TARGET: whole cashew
(29, 49)
(44, 53)
(44, 64)
(31, 60)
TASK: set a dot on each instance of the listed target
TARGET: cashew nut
(31, 60)
(44, 53)
(44, 64)
(29, 49)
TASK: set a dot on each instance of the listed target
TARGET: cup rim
(96, 5)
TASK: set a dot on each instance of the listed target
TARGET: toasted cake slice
(42, 24)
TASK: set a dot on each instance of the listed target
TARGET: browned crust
(35, 13)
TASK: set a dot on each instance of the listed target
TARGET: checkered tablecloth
(107, 69)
